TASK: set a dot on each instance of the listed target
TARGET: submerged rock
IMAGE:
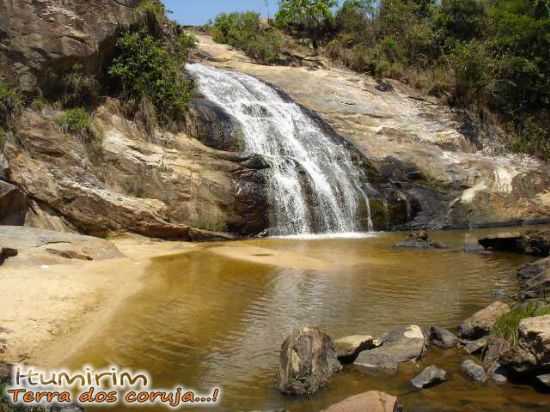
(307, 362)
(474, 371)
(373, 401)
(420, 240)
(399, 345)
(430, 376)
(442, 338)
(535, 242)
(349, 347)
(481, 323)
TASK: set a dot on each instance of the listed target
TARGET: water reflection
(207, 319)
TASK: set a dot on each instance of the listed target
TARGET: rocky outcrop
(162, 185)
(437, 175)
(308, 361)
(369, 401)
(429, 377)
(39, 39)
(481, 323)
(532, 353)
(349, 347)
(13, 204)
(399, 345)
(535, 242)
(534, 280)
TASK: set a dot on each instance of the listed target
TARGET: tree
(312, 18)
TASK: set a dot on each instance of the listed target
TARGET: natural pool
(217, 315)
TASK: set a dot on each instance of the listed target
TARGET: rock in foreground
(474, 371)
(442, 338)
(430, 376)
(368, 402)
(308, 361)
(481, 323)
(348, 348)
(400, 345)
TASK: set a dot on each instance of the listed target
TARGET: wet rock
(368, 402)
(420, 240)
(499, 375)
(534, 280)
(496, 347)
(349, 347)
(430, 376)
(475, 346)
(474, 371)
(536, 242)
(307, 362)
(256, 162)
(481, 323)
(532, 353)
(400, 345)
(442, 338)
(544, 379)
(6, 253)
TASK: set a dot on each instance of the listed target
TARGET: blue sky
(200, 11)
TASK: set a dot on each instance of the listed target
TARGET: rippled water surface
(218, 315)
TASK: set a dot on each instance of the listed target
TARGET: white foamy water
(313, 185)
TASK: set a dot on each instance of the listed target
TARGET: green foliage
(184, 44)
(245, 31)
(154, 8)
(11, 104)
(145, 68)
(312, 18)
(75, 121)
(79, 88)
(507, 325)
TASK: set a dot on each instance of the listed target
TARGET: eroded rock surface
(534, 279)
(349, 347)
(308, 361)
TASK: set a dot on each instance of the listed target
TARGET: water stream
(314, 186)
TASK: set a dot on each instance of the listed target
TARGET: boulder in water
(481, 323)
(430, 376)
(474, 371)
(373, 401)
(400, 345)
(348, 348)
(535, 242)
(442, 338)
(420, 240)
(308, 361)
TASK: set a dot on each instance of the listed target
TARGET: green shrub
(79, 88)
(75, 121)
(144, 67)
(154, 8)
(507, 325)
(184, 44)
(11, 104)
(246, 32)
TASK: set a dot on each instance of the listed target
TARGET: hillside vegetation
(488, 57)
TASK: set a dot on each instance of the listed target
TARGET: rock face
(348, 348)
(442, 338)
(534, 279)
(163, 185)
(400, 345)
(13, 205)
(446, 176)
(480, 323)
(474, 371)
(533, 350)
(368, 402)
(308, 361)
(430, 376)
(40, 38)
(535, 242)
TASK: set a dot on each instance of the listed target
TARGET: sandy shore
(47, 310)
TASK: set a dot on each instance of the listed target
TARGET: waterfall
(313, 185)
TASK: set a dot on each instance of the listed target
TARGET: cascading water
(313, 186)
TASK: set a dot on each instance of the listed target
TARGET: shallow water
(208, 319)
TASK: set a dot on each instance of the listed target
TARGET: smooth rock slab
(368, 402)
(430, 376)
(308, 361)
(400, 345)
(474, 371)
(442, 338)
(481, 322)
(349, 347)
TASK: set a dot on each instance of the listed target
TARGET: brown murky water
(207, 318)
